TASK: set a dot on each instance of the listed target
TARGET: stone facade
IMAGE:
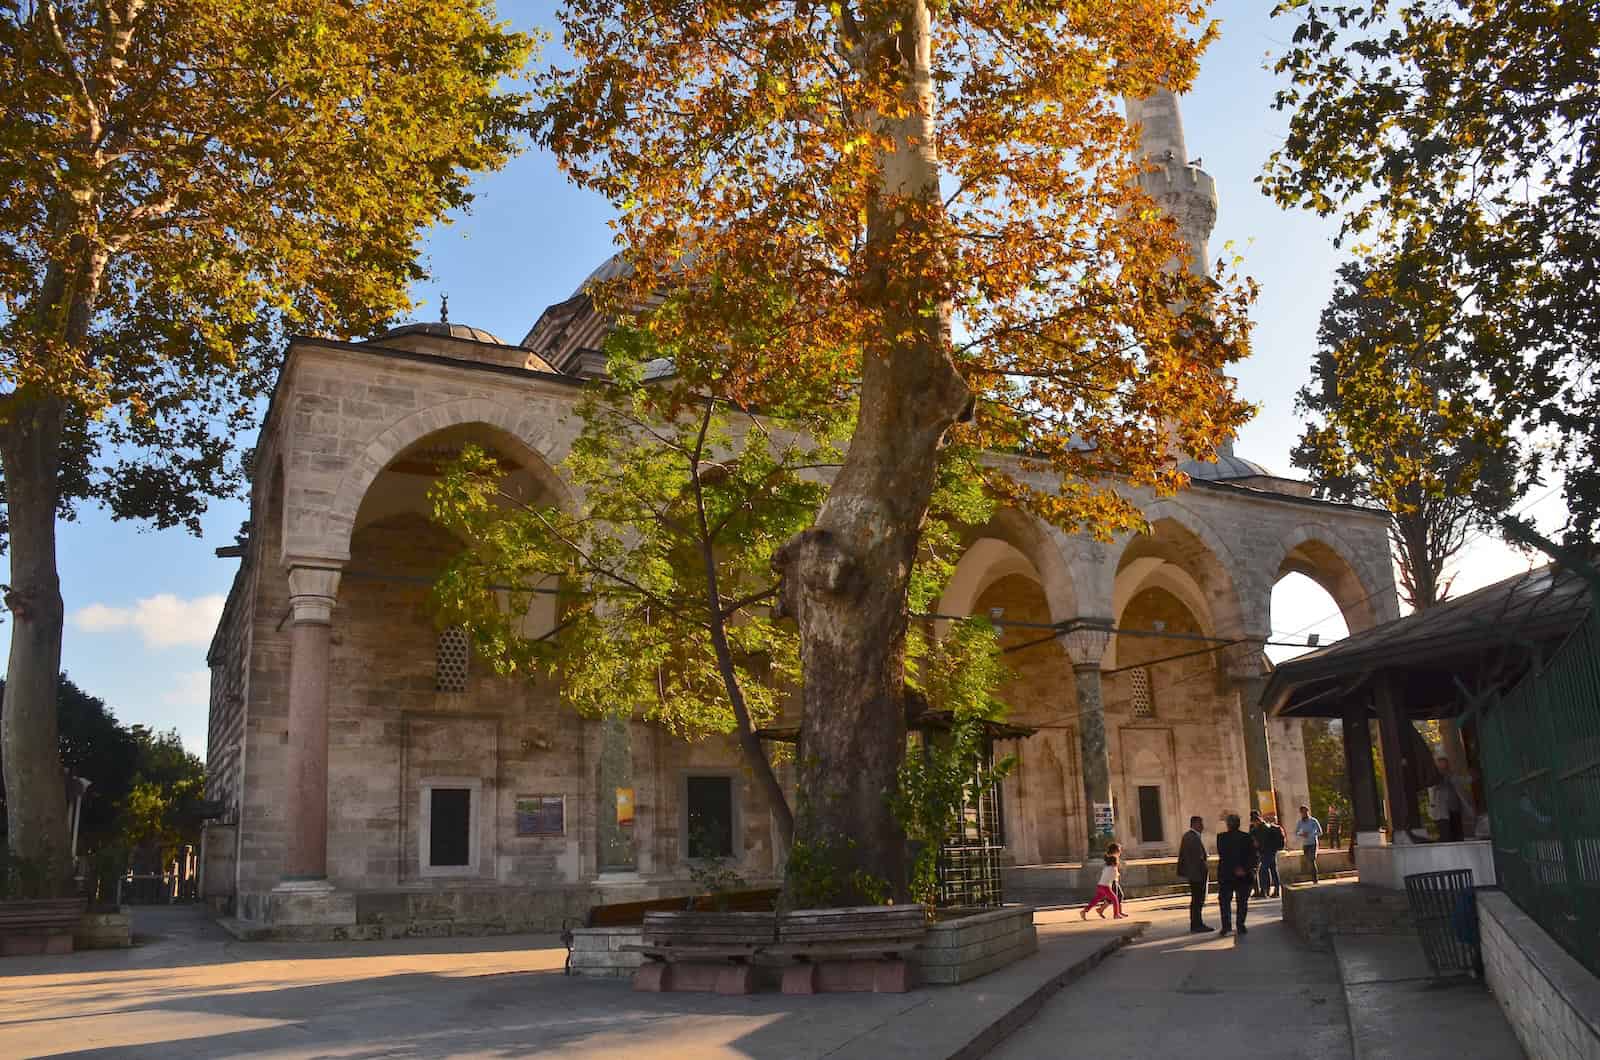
(336, 739)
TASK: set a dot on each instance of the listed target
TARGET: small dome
(1226, 466)
(440, 330)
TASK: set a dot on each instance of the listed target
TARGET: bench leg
(736, 979)
(652, 977)
(891, 977)
(800, 978)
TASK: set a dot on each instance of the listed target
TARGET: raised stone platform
(1551, 1001)
(1317, 912)
(1388, 865)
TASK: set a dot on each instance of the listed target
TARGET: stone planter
(104, 930)
(32, 927)
(955, 951)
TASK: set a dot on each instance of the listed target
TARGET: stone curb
(996, 1032)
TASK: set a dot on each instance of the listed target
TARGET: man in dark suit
(1192, 866)
(1236, 870)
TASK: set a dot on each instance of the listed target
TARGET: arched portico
(383, 493)
(1364, 596)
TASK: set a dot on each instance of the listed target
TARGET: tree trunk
(36, 806)
(845, 579)
(31, 429)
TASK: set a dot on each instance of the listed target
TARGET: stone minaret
(1177, 182)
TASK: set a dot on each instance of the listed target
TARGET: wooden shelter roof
(1487, 637)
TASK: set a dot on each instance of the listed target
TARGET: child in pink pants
(1106, 894)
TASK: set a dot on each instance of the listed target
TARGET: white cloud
(163, 620)
(189, 688)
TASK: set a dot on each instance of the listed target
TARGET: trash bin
(1444, 907)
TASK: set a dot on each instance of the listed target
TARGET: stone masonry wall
(1551, 1001)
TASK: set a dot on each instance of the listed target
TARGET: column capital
(313, 588)
(1085, 640)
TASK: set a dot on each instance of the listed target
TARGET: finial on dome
(444, 309)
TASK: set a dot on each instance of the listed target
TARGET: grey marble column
(616, 848)
(1096, 752)
(1086, 645)
(1253, 726)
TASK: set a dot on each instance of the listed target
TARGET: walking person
(1307, 831)
(1116, 887)
(1193, 867)
(1105, 893)
(1236, 870)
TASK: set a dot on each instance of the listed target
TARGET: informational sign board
(625, 807)
(541, 815)
(1268, 801)
(1105, 819)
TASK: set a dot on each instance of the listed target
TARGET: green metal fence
(1540, 750)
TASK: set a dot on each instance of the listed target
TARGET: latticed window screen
(450, 660)
(1143, 705)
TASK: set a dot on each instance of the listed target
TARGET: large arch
(1183, 555)
(1321, 553)
(1012, 542)
(534, 451)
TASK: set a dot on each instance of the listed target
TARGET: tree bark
(845, 579)
(36, 805)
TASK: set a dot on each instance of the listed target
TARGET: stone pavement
(190, 991)
(1175, 994)
(1398, 1009)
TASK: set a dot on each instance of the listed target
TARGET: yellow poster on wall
(1268, 801)
(624, 806)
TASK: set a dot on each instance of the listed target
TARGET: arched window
(450, 660)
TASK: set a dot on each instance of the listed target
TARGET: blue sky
(141, 605)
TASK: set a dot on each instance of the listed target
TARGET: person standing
(1259, 832)
(1193, 867)
(1446, 805)
(1236, 870)
(1278, 841)
(1307, 831)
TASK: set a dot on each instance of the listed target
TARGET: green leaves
(1463, 140)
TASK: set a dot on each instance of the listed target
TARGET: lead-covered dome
(442, 330)
(1225, 466)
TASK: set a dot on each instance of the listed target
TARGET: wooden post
(1359, 770)
(1402, 802)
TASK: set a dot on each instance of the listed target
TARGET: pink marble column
(311, 595)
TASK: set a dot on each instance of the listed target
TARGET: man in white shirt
(1307, 832)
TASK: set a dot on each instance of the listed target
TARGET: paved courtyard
(190, 991)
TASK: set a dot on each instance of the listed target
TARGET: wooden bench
(628, 914)
(35, 926)
(702, 951)
(861, 948)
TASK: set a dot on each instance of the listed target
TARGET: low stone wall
(465, 911)
(953, 952)
(1551, 1001)
(104, 931)
(598, 954)
(962, 949)
(1344, 907)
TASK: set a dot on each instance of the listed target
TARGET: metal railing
(1540, 749)
(969, 875)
